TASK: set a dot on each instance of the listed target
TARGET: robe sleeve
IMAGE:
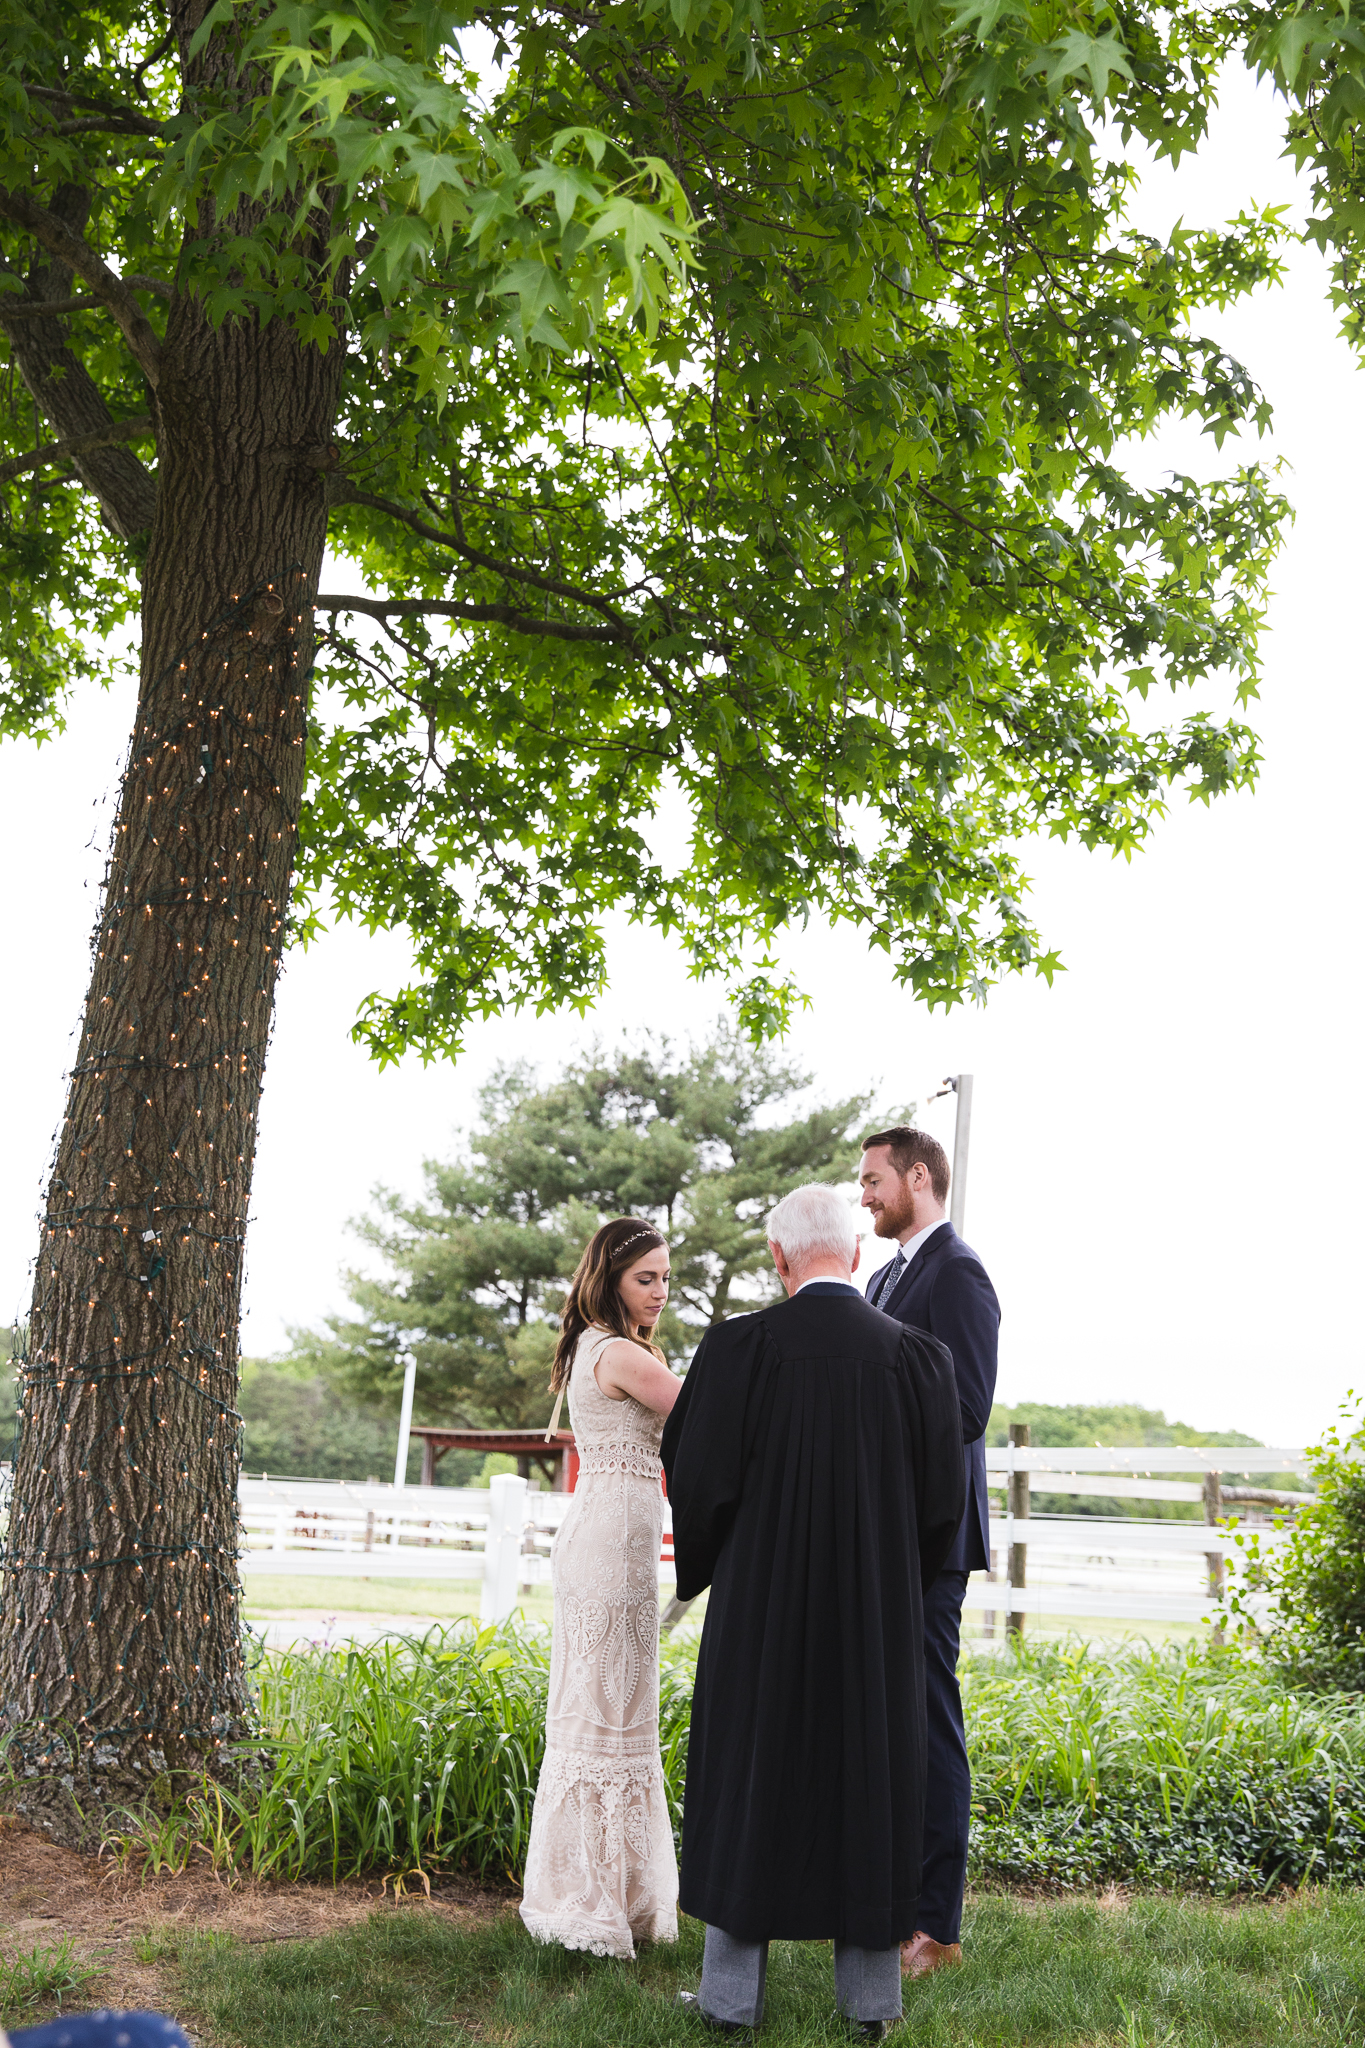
(703, 1450)
(936, 1434)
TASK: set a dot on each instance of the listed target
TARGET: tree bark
(119, 1640)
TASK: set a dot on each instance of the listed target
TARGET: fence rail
(1144, 1459)
(1123, 1568)
(1095, 1566)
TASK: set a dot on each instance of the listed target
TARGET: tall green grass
(417, 1756)
(413, 1755)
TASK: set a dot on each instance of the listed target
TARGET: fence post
(1213, 1511)
(502, 1548)
(1019, 1507)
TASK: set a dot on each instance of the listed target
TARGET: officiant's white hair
(813, 1222)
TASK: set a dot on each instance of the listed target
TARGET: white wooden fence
(1111, 1567)
(499, 1537)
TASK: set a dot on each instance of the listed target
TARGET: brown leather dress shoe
(922, 1954)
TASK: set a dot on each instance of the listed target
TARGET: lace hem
(631, 1458)
(600, 1872)
(562, 1769)
(571, 1932)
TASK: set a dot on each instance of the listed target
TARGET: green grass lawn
(1151, 1973)
(405, 1602)
(268, 1593)
(312, 1601)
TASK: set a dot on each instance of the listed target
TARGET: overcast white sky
(1165, 1179)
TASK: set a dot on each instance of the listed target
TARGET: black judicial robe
(814, 1463)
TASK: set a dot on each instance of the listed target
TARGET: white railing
(1069, 1461)
(1118, 1568)
(499, 1537)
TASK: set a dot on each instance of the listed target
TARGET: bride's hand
(625, 1369)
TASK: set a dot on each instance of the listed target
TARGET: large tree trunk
(119, 1640)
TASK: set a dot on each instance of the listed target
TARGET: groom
(814, 1463)
(937, 1284)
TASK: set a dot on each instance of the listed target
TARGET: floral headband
(627, 1242)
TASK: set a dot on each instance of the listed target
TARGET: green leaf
(1102, 57)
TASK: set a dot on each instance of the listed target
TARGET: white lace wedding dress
(600, 1871)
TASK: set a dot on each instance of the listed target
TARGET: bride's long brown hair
(592, 1299)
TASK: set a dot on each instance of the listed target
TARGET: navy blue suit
(945, 1290)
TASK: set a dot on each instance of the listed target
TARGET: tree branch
(479, 615)
(344, 493)
(153, 56)
(14, 308)
(65, 392)
(31, 309)
(107, 124)
(106, 116)
(136, 429)
(76, 253)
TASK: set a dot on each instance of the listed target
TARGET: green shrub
(1182, 1767)
(1315, 1630)
(413, 1755)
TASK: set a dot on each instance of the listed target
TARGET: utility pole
(959, 1085)
(400, 1463)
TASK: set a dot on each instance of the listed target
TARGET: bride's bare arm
(623, 1368)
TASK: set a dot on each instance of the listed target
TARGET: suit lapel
(917, 1267)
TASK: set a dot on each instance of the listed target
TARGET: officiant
(814, 1464)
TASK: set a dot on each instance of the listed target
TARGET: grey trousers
(867, 1981)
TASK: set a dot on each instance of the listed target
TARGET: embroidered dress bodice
(600, 1869)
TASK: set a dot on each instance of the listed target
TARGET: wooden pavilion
(557, 1460)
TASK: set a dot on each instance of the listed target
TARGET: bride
(600, 1870)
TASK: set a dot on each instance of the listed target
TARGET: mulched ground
(114, 1919)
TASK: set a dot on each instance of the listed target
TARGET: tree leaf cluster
(700, 1142)
(733, 415)
(297, 1425)
(1153, 72)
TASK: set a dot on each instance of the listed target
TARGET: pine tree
(693, 1141)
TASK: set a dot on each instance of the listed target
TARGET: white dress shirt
(912, 1244)
(905, 1252)
(828, 1280)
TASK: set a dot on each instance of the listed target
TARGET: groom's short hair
(909, 1147)
(813, 1222)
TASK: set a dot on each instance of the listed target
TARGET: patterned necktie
(890, 1277)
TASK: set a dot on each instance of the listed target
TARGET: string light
(120, 1348)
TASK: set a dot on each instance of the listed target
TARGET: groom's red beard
(893, 1217)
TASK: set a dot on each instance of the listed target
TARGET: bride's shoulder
(594, 1338)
